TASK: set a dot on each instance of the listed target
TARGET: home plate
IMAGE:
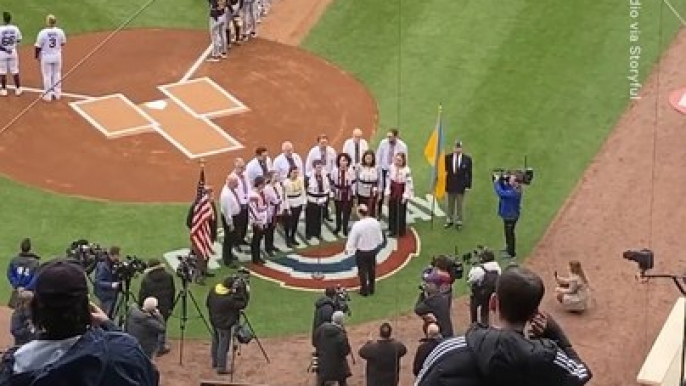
(156, 105)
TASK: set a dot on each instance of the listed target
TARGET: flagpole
(438, 152)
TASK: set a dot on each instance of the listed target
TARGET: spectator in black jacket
(145, 323)
(433, 306)
(159, 283)
(504, 355)
(332, 350)
(202, 263)
(21, 271)
(324, 308)
(21, 325)
(383, 358)
(224, 306)
(426, 345)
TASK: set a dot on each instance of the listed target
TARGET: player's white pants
(249, 17)
(52, 76)
(9, 63)
(218, 35)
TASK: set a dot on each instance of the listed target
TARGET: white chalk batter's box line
(120, 133)
(167, 89)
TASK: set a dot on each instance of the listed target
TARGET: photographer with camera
(107, 285)
(509, 189)
(78, 343)
(503, 354)
(324, 308)
(482, 279)
(159, 284)
(332, 350)
(225, 302)
(21, 271)
(146, 324)
(433, 306)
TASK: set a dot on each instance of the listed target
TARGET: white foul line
(66, 94)
(683, 22)
(196, 65)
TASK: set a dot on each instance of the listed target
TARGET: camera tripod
(183, 296)
(120, 312)
(675, 279)
(243, 321)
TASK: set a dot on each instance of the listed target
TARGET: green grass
(517, 77)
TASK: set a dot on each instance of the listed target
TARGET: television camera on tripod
(125, 271)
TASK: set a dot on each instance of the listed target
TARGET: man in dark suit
(202, 263)
(458, 168)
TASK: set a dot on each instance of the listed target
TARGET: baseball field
(116, 161)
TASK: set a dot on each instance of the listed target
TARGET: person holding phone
(502, 354)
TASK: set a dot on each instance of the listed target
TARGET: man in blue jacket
(21, 271)
(107, 285)
(78, 345)
(509, 191)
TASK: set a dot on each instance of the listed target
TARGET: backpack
(486, 287)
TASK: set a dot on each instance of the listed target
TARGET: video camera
(524, 175)
(86, 254)
(187, 268)
(241, 285)
(645, 258)
(341, 300)
(129, 268)
(475, 256)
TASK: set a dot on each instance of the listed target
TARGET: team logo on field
(315, 266)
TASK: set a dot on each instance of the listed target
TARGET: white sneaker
(18, 91)
(212, 59)
(224, 55)
(47, 98)
(3, 92)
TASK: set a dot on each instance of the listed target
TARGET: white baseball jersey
(10, 36)
(50, 41)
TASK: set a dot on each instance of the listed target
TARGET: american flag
(201, 236)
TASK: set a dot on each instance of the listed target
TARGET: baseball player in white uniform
(217, 30)
(10, 36)
(49, 51)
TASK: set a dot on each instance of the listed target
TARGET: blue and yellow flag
(435, 155)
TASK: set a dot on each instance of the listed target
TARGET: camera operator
(332, 350)
(107, 284)
(509, 190)
(146, 324)
(324, 308)
(482, 281)
(78, 344)
(21, 271)
(502, 354)
(224, 304)
(433, 306)
(159, 283)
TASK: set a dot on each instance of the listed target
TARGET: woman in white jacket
(294, 192)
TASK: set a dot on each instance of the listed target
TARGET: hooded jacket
(159, 284)
(323, 312)
(491, 357)
(145, 327)
(97, 358)
(331, 343)
(224, 307)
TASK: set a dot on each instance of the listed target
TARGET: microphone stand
(676, 279)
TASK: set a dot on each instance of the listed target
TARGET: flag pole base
(318, 275)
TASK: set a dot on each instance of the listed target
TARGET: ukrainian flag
(435, 155)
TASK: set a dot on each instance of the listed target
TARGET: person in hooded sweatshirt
(159, 284)
(145, 324)
(504, 354)
(78, 343)
(332, 348)
(324, 308)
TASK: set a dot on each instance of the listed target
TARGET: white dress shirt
(349, 148)
(316, 154)
(253, 169)
(229, 204)
(295, 192)
(476, 274)
(244, 188)
(456, 162)
(281, 165)
(365, 235)
(384, 156)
